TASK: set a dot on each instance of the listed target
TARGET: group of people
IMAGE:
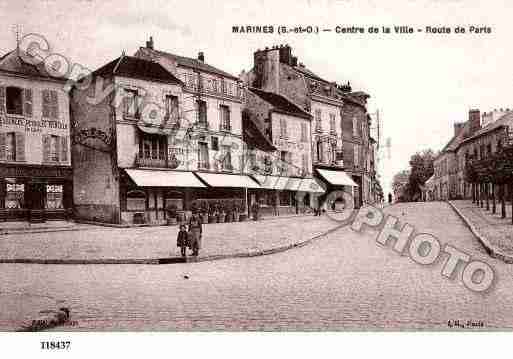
(190, 237)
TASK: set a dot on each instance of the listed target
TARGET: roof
(502, 121)
(187, 62)
(281, 103)
(130, 66)
(309, 73)
(253, 136)
(14, 63)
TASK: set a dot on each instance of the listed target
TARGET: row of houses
(477, 138)
(153, 130)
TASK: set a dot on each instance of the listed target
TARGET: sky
(421, 83)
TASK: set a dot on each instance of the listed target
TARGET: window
(172, 108)
(283, 128)
(318, 119)
(304, 137)
(214, 143)
(202, 112)
(356, 156)
(15, 194)
(332, 123)
(54, 148)
(489, 149)
(355, 126)
(203, 160)
(499, 145)
(54, 197)
(320, 154)
(333, 152)
(131, 103)
(285, 158)
(14, 100)
(50, 104)
(224, 112)
(285, 199)
(227, 158)
(153, 147)
(12, 146)
(304, 163)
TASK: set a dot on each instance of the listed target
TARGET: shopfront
(35, 193)
(338, 181)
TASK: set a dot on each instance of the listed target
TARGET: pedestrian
(255, 208)
(182, 240)
(195, 234)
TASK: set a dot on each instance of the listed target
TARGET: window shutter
(2, 102)
(20, 146)
(46, 148)
(2, 146)
(27, 98)
(54, 98)
(64, 149)
(46, 103)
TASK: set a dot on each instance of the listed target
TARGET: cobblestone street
(160, 242)
(344, 281)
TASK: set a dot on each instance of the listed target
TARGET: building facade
(341, 145)
(286, 178)
(35, 164)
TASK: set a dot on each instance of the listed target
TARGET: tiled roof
(13, 62)
(280, 103)
(130, 66)
(187, 62)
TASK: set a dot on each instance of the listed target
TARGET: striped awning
(290, 184)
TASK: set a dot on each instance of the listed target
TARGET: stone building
(284, 174)
(341, 145)
(470, 140)
(35, 165)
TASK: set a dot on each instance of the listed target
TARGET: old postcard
(291, 166)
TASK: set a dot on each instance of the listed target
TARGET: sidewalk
(153, 245)
(494, 232)
(48, 226)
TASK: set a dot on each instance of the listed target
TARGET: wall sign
(32, 125)
(92, 132)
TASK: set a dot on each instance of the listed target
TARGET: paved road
(345, 281)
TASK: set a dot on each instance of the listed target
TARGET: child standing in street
(182, 239)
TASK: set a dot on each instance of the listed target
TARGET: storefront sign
(92, 132)
(289, 145)
(30, 125)
(29, 171)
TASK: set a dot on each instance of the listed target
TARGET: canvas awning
(227, 180)
(162, 178)
(290, 184)
(155, 130)
(338, 178)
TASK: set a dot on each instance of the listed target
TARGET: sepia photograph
(255, 166)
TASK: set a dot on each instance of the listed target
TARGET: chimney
(474, 118)
(201, 56)
(266, 65)
(149, 44)
(286, 54)
(458, 126)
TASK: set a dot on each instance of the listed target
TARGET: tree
(421, 169)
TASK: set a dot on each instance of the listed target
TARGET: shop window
(285, 198)
(136, 201)
(15, 194)
(54, 196)
(14, 100)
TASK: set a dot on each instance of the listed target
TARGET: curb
(170, 260)
(491, 250)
